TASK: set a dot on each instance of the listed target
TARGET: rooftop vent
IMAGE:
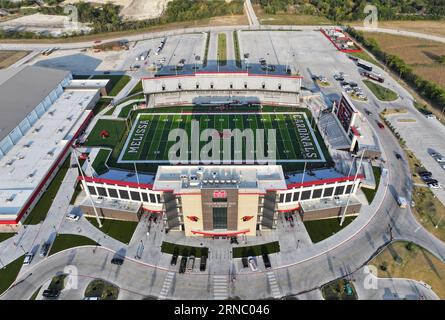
(38, 129)
(52, 112)
(28, 145)
(9, 163)
(50, 153)
(10, 198)
(21, 157)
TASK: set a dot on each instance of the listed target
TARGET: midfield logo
(248, 147)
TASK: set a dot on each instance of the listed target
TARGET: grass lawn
(258, 250)
(370, 193)
(40, 210)
(382, 93)
(117, 229)
(363, 55)
(137, 88)
(66, 241)
(336, 290)
(110, 111)
(102, 289)
(77, 190)
(5, 236)
(58, 282)
(118, 82)
(34, 295)
(237, 49)
(9, 57)
(115, 128)
(321, 229)
(99, 163)
(100, 105)
(9, 273)
(407, 260)
(182, 250)
(222, 49)
(289, 18)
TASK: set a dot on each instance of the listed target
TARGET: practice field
(220, 138)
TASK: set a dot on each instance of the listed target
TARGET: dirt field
(420, 54)
(429, 27)
(416, 263)
(8, 58)
(135, 9)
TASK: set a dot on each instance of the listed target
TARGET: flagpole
(353, 185)
(136, 170)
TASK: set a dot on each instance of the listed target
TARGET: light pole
(87, 191)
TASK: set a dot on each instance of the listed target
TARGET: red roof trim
(220, 234)
(222, 73)
(322, 182)
(117, 182)
(355, 131)
(288, 210)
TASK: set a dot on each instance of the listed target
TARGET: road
(403, 33)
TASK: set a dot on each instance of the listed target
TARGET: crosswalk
(166, 286)
(220, 287)
(273, 285)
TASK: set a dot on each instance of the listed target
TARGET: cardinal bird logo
(193, 218)
(246, 218)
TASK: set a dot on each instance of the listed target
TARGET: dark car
(398, 156)
(117, 261)
(381, 126)
(51, 293)
(203, 263)
(44, 249)
(425, 174)
(266, 261)
(183, 264)
(246, 55)
(245, 262)
(431, 181)
(368, 112)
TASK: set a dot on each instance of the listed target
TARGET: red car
(98, 41)
(381, 126)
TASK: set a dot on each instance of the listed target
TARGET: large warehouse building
(40, 115)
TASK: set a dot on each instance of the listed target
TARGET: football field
(287, 137)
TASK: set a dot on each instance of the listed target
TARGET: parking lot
(423, 142)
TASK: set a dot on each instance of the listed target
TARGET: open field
(407, 260)
(66, 241)
(434, 27)
(8, 57)
(289, 18)
(149, 140)
(117, 229)
(422, 55)
(319, 230)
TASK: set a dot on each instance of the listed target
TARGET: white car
(72, 217)
(440, 159)
(252, 263)
(28, 258)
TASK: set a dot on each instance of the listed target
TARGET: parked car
(434, 185)
(266, 261)
(44, 249)
(431, 181)
(51, 293)
(190, 263)
(183, 265)
(91, 298)
(425, 174)
(252, 263)
(246, 55)
(368, 112)
(72, 217)
(380, 125)
(398, 156)
(440, 159)
(118, 261)
(28, 258)
(203, 263)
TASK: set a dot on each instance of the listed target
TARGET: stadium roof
(21, 90)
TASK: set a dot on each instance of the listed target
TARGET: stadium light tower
(86, 189)
(343, 216)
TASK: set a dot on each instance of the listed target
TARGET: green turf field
(148, 141)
